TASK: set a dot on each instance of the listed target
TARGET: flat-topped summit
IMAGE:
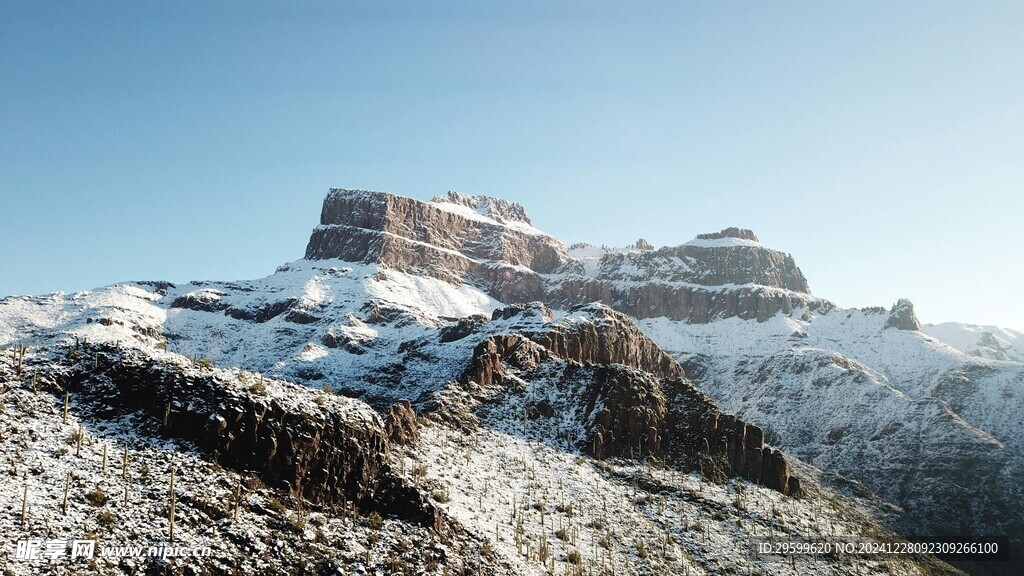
(490, 243)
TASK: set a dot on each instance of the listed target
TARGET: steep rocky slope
(918, 422)
(216, 470)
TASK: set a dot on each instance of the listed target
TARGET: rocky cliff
(330, 451)
(631, 398)
(456, 238)
(491, 244)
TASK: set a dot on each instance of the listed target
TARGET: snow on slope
(906, 361)
(670, 523)
(990, 342)
(324, 320)
(912, 418)
(626, 518)
(113, 487)
(482, 209)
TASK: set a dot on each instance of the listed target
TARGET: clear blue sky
(881, 143)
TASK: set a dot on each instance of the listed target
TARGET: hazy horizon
(877, 143)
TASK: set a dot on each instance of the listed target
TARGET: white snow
(480, 215)
(727, 242)
(990, 342)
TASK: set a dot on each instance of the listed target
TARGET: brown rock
(326, 455)
(902, 316)
(690, 282)
(400, 424)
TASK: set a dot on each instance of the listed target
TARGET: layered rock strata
(491, 244)
(636, 401)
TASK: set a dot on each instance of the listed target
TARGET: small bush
(486, 550)
(574, 557)
(641, 548)
(96, 497)
(297, 524)
(106, 517)
(74, 437)
(419, 471)
(375, 521)
(275, 505)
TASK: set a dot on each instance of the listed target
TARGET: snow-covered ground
(123, 500)
(990, 342)
(628, 518)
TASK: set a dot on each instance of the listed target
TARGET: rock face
(330, 451)
(633, 399)
(456, 238)
(902, 316)
(717, 275)
(612, 338)
(491, 244)
(400, 424)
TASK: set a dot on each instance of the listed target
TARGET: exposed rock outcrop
(400, 424)
(330, 451)
(902, 316)
(612, 338)
(490, 243)
(455, 244)
(634, 400)
(732, 232)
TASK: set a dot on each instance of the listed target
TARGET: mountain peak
(902, 316)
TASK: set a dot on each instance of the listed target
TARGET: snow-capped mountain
(990, 342)
(633, 410)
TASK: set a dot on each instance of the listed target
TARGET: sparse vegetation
(375, 521)
(96, 497)
(276, 505)
(106, 517)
